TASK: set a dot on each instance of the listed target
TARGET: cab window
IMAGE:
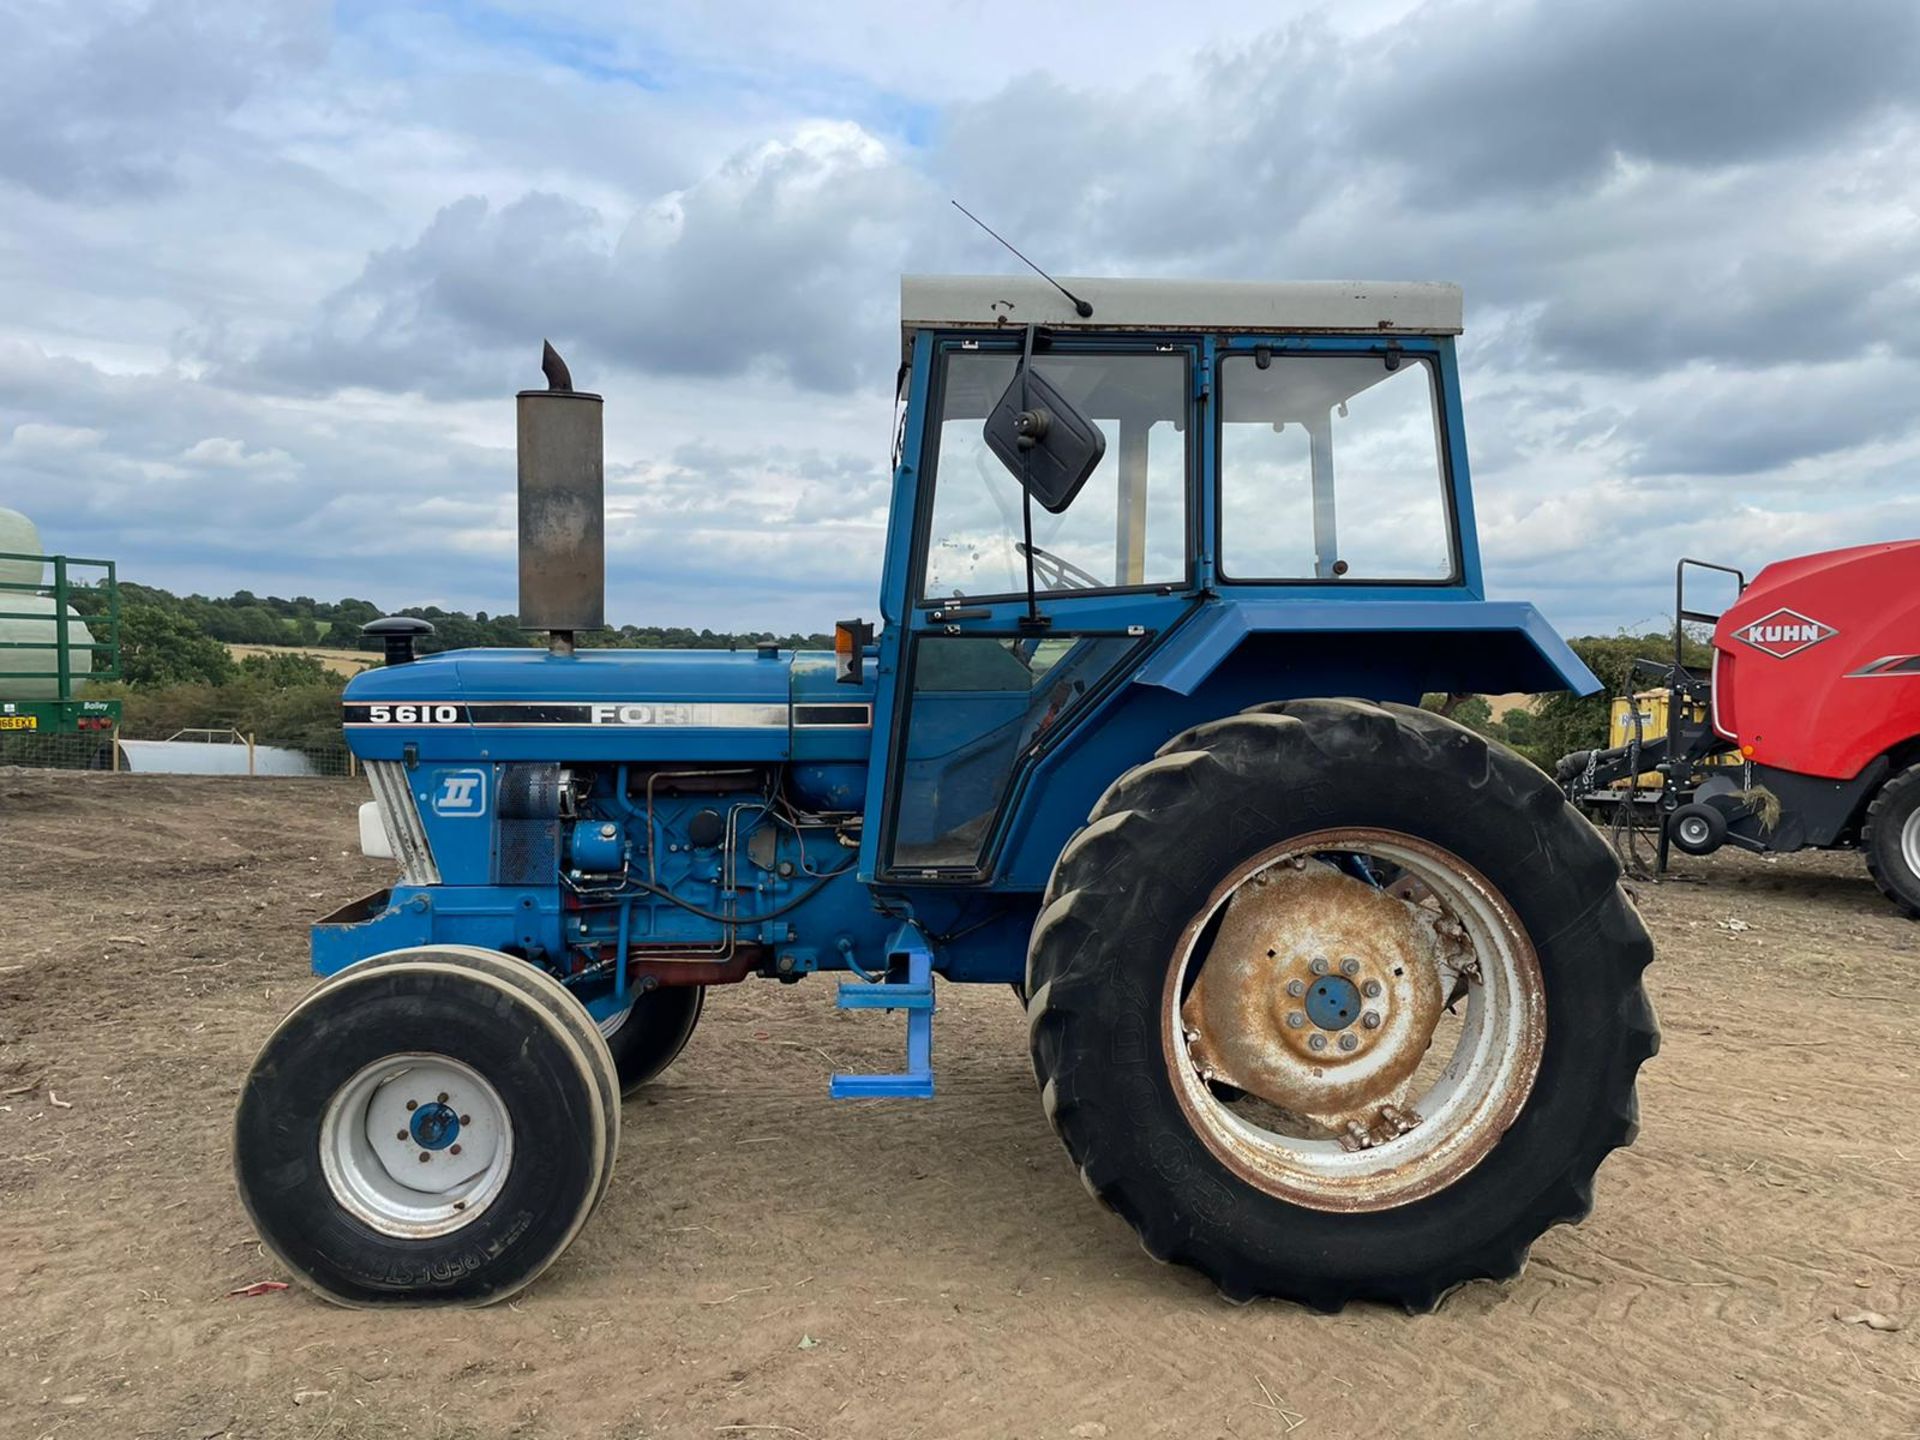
(1330, 469)
(1127, 527)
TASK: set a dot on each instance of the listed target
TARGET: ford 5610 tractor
(1328, 997)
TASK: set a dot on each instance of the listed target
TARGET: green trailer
(59, 631)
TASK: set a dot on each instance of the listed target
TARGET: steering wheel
(1057, 573)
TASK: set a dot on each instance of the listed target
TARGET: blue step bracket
(913, 995)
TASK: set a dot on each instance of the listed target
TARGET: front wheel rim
(1458, 1119)
(416, 1145)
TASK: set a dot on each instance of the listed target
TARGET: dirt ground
(771, 1265)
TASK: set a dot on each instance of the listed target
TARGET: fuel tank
(1817, 665)
(617, 705)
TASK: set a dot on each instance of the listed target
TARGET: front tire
(419, 1133)
(1341, 1188)
(649, 1035)
(539, 987)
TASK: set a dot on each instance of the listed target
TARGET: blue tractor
(1329, 997)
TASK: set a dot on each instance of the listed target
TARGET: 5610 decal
(423, 713)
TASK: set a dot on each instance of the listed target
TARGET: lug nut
(1371, 1019)
(1371, 989)
(443, 1097)
(1296, 987)
(466, 1119)
(424, 1157)
(1295, 1019)
(1349, 1040)
(401, 1136)
(1349, 966)
(1319, 965)
(453, 1149)
(1316, 1042)
(413, 1104)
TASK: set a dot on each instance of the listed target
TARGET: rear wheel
(419, 1132)
(1335, 1001)
(649, 1035)
(1891, 840)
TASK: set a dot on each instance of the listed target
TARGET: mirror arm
(1033, 621)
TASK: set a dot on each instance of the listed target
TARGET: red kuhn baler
(1816, 689)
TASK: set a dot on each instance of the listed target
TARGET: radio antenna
(1080, 307)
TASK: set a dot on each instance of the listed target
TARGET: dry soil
(771, 1265)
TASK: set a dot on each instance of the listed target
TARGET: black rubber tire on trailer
(1697, 829)
(545, 991)
(1891, 840)
(1147, 865)
(653, 1033)
(372, 1029)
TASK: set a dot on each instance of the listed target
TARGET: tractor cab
(1271, 462)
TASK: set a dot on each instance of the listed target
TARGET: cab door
(992, 680)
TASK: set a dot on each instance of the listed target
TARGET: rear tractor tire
(1891, 840)
(649, 1035)
(421, 1130)
(1335, 1001)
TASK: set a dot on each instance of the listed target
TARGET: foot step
(913, 995)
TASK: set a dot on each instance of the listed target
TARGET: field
(341, 662)
(769, 1265)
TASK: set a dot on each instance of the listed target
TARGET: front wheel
(1335, 1001)
(649, 1034)
(420, 1132)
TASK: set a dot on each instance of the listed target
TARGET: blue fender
(1489, 647)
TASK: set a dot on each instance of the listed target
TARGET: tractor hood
(645, 705)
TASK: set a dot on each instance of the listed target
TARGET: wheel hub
(416, 1145)
(435, 1126)
(1333, 1002)
(1319, 995)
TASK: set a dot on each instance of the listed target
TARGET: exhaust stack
(563, 561)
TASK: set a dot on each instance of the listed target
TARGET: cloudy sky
(269, 271)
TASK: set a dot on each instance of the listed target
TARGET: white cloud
(272, 274)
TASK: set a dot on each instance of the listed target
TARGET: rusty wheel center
(1320, 1047)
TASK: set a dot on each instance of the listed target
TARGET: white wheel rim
(416, 1145)
(1693, 830)
(1462, 1114)
(610, 1026)
(1910, 843)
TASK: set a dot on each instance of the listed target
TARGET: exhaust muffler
(563, 548)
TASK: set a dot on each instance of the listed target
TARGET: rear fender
(1482, 646)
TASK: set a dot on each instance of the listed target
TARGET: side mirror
(1041, 437)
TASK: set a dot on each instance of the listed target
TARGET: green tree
(159, 647)
(1565, 722)
(289, 671)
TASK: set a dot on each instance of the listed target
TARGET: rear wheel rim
(1461, 1115)
(416, 1146)
(1693, 830)
(1910, 843)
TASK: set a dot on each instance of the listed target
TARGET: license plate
(19, 722)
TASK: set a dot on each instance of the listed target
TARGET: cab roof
(1347, 307)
